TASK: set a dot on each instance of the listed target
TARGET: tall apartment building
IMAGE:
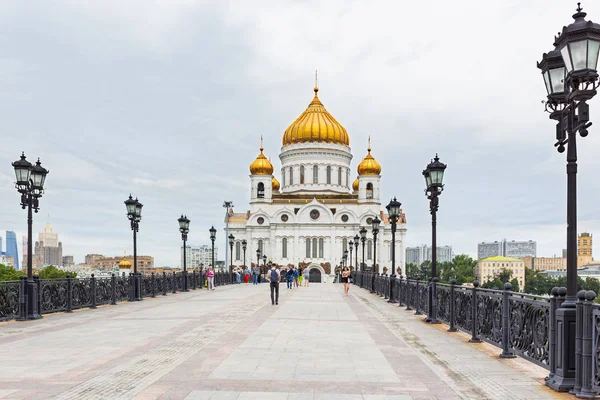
(11, 248)
(48, 249)
(198, 255)
(417, 255)
(68, 261)
(504, 248)
(584, 249)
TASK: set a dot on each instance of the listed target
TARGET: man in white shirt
(273, 277)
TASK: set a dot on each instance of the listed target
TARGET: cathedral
(312, 213)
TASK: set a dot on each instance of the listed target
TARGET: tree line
(8, 273)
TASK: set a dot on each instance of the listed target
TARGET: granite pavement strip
(233, 344)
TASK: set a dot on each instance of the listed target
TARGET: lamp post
(351, 246)
(571, 79)
(356, 239)
(434, 176)
(184, 228)
(393, 209)
(228, 205)
(363, 239)
(30, 184)
(134, 214)
(375, 227)
(213, 236)
(264, 265)
(231, 242)
(244, 247)
(258, 252)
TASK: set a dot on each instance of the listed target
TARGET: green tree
(445, 271)
(411, 269)
(463, 269)
(425, 269)
(505, 275)
(51, 272)
(515, 285)
(8, 273)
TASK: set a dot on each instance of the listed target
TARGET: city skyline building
(419, 254)
(11, 248)
(48, 249)
(584, 249)
(199, 255)
(505, 248)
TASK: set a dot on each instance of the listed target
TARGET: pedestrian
(211, 277)
(246, 275)
(273, 277)
(346, 279)
(296, 274)
(290, 277)
(306, 276)
(255, 272)
(300, 277)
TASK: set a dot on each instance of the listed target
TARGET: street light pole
(134, 214)
(393, 209)
(227, 205)
(434, 177)
(184, 228)
(213, 236)
(30, 184)
(231, 242)
(351, 246)
(356, 239)
(375, 228)
(363, 239)
(244, 246)
(571, 79)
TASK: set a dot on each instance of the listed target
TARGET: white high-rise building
(419, 254)
(504, 248)
(313, 215)
(197, 256)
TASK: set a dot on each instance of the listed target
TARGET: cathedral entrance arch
(316, 273)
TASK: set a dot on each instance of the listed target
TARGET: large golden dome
(125, 264)
(315, 124)
(275, 184)
(369, 166)
(261, 166)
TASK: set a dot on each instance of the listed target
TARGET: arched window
(237, 251)
(329, 174)
(314, 248)
(315, 174)
(369, 249)
(344, 244)
(302, 174)
(340, 176)
(291, 176)
(284, 248)
(307, 248)
(260, 246)
(369, 190)
(260, 190)
(321, 245)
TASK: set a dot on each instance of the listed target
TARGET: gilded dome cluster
(275, 184)
(315, 124)
(369, 166)
(125, 263)
(261, 166)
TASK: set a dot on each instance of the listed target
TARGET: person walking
(210, 274)
(246, 275)
(296, 274)
(346, 279)
(306, 276)
(290, 277)
(273, 277)
(300, 277)
(255, 273)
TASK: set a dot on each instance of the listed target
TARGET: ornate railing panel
(423, 296)
(529, 321)
(54, 294)
(443, 302)
(81, 292)
(103, 291)
(596, 348)
(9, 300)
(146, 285)
(489, 316)
(463, 309)
(169, 283)
(123, 287)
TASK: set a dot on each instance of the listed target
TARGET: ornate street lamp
(570, 80)
(30, 184)
(351, 246)
(134, 214)
(184, 228)
(231, 242)
(264, 265)
(213, 236)
(363, 239)
(375, 228)
(434, 176)
(356, 239)
(393, 209)
(244, 247)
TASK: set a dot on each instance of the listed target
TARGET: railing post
(587, 351)
(22, 298)
(408, 294)
(506, 353)
(38, 285)
(452, 328)
(418, 299)
(474, 338)
(164, 283)
(399, 294)
(174, 282)
(153, 283)
(373, 277)
(132, 284)
(69, 294)
(93, 287)
(113, 289)
(578, 341)
(193, 280)
(552, 334)
(432, 297)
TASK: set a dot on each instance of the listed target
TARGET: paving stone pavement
(233, 344)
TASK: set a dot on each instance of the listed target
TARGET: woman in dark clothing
(346, 279)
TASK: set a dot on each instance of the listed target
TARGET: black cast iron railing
(66, 295)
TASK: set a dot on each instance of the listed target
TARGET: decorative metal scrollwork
(489, 316)
(9, 300)
(54, 295)
(103, 290)
(81, 292)
(443, 302)
(123, 285)
(462, 308)
(596, 348)
(529, 329)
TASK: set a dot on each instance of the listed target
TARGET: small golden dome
(315, 124)
(275, 184)
(261, 166)
(369, 166)
(125, 264)
(355, 185)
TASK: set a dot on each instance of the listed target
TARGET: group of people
(247, 275)
(295, 277)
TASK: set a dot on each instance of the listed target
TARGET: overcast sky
(167, 100)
